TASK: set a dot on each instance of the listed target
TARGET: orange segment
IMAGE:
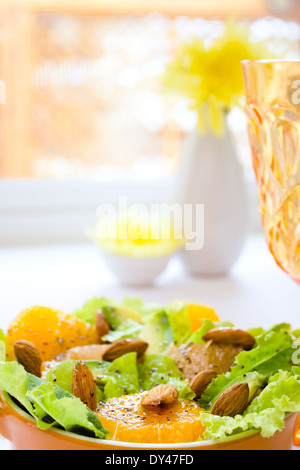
(51, 331)
(128, 421)
(196, 313)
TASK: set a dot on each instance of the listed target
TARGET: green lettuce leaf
(47, 403)
(137, 305)
(128, 329)
(66, 410)
(113, 379)
(160, 369)
(13, 380)
(273, 349)
(43, 419)
(256, 331)
(125, 371)
(116, 378)
(281, 326)
(267, 421)
(157, 332)
(266, 413)
(197, 336)
(118, 314)
(283, 391)
(179, 321)
(296, 370)
(61, 375)
(88, 311)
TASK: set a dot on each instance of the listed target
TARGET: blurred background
(82, 116)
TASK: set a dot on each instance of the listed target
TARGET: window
(83, 98)
(83, 94)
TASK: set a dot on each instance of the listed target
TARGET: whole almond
(201, 381)
(28, 355)
(124, 346)
(159, 397)
(231, 336)
(84, 386)
(102, 325)
(232, 401)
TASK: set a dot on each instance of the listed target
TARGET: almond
(232, 401)
(230, 336)
(201, 381)
(124, 346)
(28, 355)
(160, 396)
(84, 386)
(102, 325)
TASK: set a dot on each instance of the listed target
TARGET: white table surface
(255, 293)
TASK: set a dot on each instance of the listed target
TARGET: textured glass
(273, 109)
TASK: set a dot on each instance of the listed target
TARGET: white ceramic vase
(210, 174)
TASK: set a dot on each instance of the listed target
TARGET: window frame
(212, 9)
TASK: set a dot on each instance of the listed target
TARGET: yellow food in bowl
(51, 331)
(128, 421)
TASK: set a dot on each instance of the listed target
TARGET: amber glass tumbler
(272, 90)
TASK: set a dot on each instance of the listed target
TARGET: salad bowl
(20, 429)
(135, 376)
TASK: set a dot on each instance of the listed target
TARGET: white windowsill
(60, 211)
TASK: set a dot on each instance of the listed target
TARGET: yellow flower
(211, 78)
(135, 236)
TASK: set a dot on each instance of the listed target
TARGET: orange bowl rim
(243, 435)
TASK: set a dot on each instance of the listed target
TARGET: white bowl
(134, 271)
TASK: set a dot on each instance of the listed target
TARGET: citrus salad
(145, 373)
